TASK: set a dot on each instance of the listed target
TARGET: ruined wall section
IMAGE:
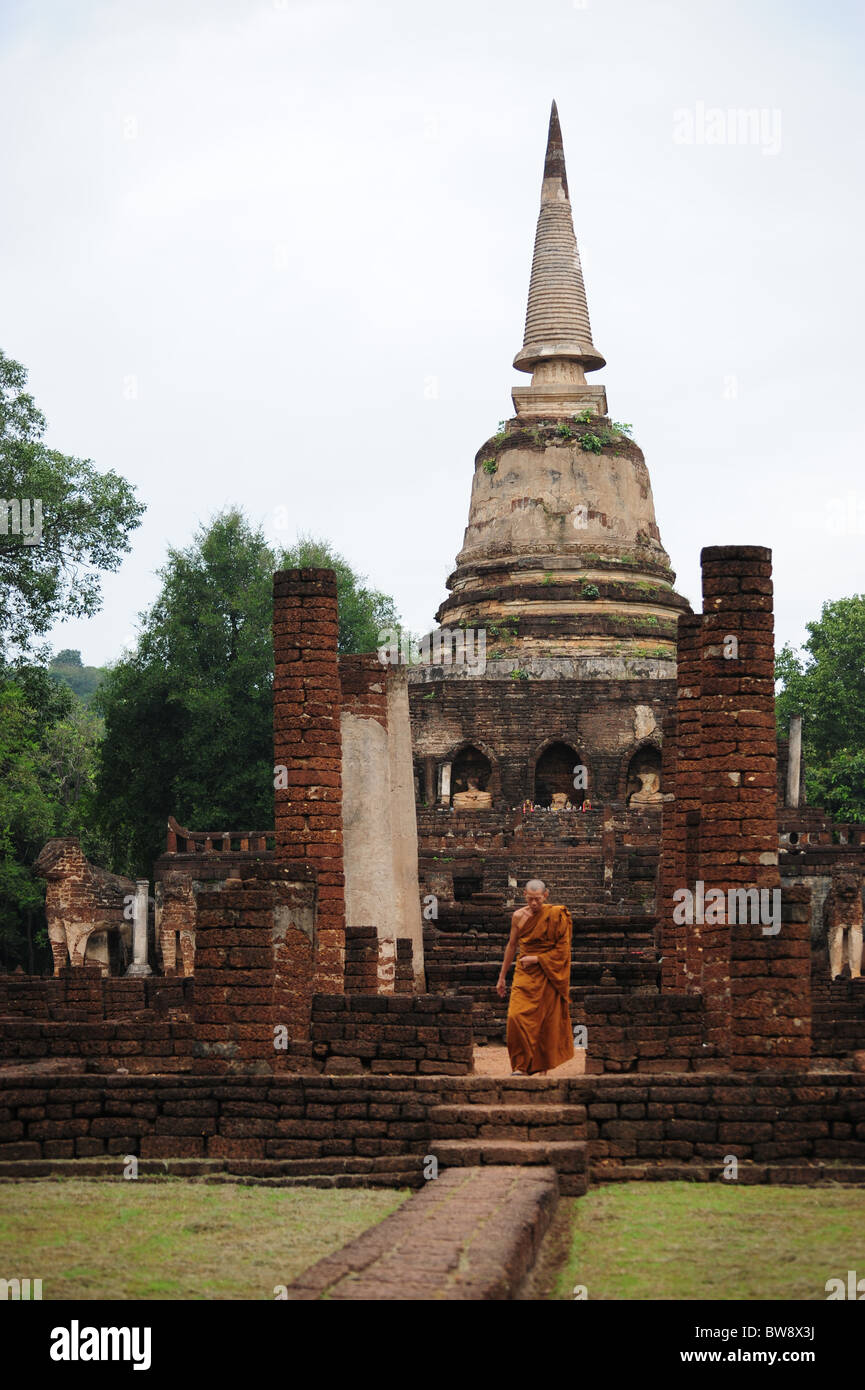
(519, 707)
(175, 922)
(378, 819)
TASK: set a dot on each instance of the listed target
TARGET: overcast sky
(276, 254)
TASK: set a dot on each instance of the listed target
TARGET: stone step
(482, 970)
(551, 1122)
(570, 1160)
(792, 1174)
(581, 951)
(386, 1171)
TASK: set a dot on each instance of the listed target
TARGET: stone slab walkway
(472, 1233)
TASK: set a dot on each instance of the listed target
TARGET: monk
(539, 1021)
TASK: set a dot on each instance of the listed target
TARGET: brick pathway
(472, 1233)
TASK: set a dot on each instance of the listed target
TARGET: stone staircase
(531, 1133)
(607, 954)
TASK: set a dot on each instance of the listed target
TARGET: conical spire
(558, 336)
(554, 164)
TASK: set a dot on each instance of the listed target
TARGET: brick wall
(144, 1044)
(762, 1117)
(642, 1032)
(838, 1017)
(87, 995)
(402, 1034)
(511, 721)
(363, 687)
(680, 832)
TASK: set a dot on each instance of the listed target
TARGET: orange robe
(539, 1020)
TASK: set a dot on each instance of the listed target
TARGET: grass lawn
(680, 1240)
(171, 1239)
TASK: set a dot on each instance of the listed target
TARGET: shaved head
(536, 885)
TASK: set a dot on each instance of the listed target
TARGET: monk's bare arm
(510, 952)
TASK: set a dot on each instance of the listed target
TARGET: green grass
(679, 1240)
(171, 1239)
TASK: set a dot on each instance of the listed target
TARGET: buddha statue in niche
(650, 788)
(472, 799)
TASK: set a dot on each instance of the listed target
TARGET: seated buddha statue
(650, 789)
(472, 799)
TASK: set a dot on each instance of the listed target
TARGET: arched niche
(470, 768)
(555, 774)
(643, 781)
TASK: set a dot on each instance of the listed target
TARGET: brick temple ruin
(308, 998)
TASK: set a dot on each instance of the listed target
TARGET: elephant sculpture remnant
(81, 901)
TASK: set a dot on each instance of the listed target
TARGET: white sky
(276, 221)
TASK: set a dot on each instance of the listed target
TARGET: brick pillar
(361, 960)
(83, 991)
(306, 731)
(751, 982)
(234, 978)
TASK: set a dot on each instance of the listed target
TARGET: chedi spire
(557, 346)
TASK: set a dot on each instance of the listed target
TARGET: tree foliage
(87, 517)
(363, 612)
(48, 746)
(189, 713)
(826, 686)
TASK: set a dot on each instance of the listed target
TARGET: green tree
(47, 761)
(363, 612)
(86, 520)
(189, 713)
(827, 687)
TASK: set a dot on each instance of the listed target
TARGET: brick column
(306, 732)
(234, 978)
(83, 991)
(751, 977)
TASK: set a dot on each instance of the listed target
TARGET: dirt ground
(494, 1061)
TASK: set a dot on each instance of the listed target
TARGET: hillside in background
(67, 667)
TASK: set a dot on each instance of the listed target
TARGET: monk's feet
(517, 1072)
